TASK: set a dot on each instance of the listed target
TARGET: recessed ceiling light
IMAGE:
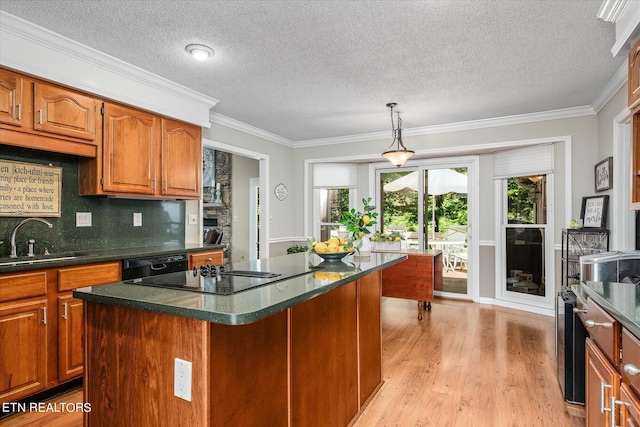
(199, 51)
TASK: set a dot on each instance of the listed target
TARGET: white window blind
(335, 175)
(532, 160)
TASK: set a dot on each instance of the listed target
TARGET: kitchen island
(304, 351)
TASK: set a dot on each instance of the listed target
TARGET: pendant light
(397, 153)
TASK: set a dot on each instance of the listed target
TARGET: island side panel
(249, 372)
(324, 359)
(129, 367)
(370, 334)
(411, 279)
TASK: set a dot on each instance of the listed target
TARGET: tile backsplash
(112, 227)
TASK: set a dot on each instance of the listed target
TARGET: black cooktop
(226, 283)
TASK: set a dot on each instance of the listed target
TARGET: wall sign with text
(28, 189)
(594, 212)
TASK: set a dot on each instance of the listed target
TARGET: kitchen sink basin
(23, 261)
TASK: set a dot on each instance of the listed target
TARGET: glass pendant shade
(397, 153)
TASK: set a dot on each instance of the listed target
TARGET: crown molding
(456, 127)
(251, 130)
(615, 83)
(610, 10)
(31, 49)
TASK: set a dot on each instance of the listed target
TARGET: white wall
(242, 170)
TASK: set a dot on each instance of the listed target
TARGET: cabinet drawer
(88, 275)
(630, 359)
(204, 258)
(604, 330)
(23, 285)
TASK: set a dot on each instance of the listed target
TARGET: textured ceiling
(315, 69)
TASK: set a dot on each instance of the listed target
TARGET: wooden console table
(414, 278)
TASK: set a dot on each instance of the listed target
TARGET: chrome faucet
(14, 252)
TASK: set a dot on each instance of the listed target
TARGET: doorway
(430, 205)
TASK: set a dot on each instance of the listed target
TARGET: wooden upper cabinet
(131, 139)
(635, 158)
(634, 75)
(10, 98)
(65, 112)
(44, 116)
(144, 155)
(181, 152)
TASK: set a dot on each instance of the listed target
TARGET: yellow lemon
(360, 234)
(320, 275)
(366, 219)
(333, 247)
(320, 247)
(333, 276)
(398, 239)
(373, 238)
(333, 240)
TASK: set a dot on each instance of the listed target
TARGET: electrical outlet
(193, 219)
(137, 219)
(182, 379)
(83, 219)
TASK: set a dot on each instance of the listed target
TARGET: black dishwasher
(136, 268)
(570, 341)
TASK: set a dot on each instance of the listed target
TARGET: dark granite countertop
(620, 300)
(89, 256)
(247, 306)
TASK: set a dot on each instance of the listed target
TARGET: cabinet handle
(165, 185)
(44, 315)
(592, 324)
(19, 111)
(602, 387)
(612, 415)
(209, 259)
(631, 369)
(578, 310)
(39, 117)
(64, 313)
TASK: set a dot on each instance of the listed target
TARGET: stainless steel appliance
(215, 280)
(151, 266)
(570, 348)
(613, 266)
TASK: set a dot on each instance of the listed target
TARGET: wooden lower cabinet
(70, 338)
(196, 259)
(41, 326)
(23, 360)
(310, 365)
(602, 384)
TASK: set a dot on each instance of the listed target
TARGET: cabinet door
(64, 112)
(181, 159)
(630, 410)
(602, 383)
(635, 158)
(70, 338)
(634, 75)
(130, 149)
(10, 98)
(23, 364)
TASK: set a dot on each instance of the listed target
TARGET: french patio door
(430, 204)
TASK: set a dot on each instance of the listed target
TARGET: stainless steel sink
(35, 261)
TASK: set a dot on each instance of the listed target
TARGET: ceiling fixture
(200, 51)
(397, 153)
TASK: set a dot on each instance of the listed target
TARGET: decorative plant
(358, 223)
(394, 236)
(296, 248)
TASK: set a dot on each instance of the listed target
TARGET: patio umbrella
(441, 181)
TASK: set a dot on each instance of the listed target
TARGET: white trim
(615, 83)
(31, 49)
(453, 127)
(251, 130)
(253, 218)
(516, 306)
(610, 10)
(622, 218)
(626, 15)
(264, 185)
(287, 239)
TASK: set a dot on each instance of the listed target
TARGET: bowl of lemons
(333, 249)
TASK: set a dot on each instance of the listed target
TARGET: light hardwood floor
(465, 364)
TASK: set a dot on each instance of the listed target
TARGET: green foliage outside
(520, 209)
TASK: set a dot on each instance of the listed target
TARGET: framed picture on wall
(594, 212)
(603, 174)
